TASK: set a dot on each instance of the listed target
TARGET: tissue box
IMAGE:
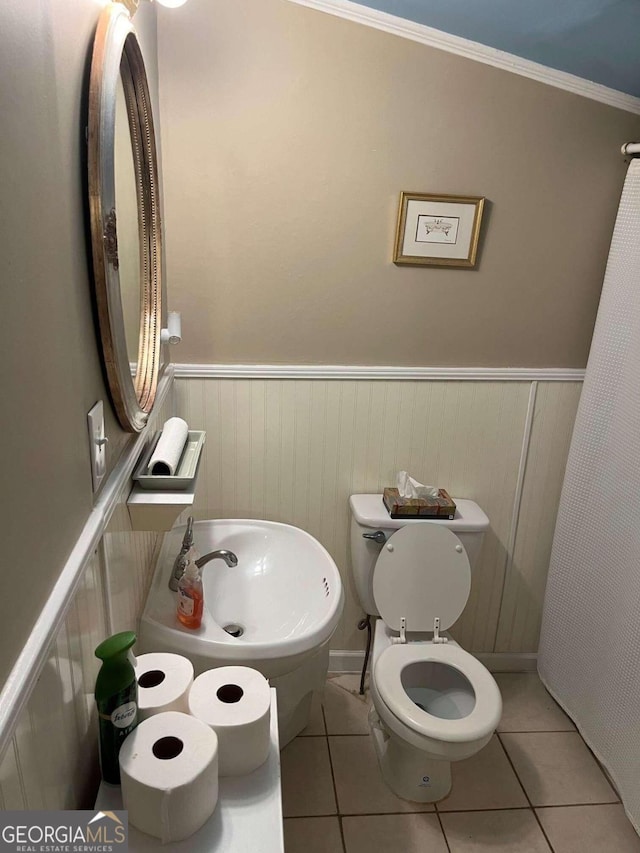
(398, 507)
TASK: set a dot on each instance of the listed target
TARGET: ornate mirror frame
(117, 57)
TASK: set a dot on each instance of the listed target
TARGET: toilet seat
(479, 723)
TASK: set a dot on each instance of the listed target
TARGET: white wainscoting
(293, 450)
(526, 576)
(51, 761)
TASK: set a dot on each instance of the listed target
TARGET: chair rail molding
(368, 372)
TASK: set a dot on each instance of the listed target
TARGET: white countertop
(247, 819)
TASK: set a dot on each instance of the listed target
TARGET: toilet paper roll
(168, 450)
(164, 681)
(169, 775)
(236, 702)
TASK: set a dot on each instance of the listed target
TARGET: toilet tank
(368, 514)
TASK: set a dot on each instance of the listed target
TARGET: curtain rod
(631, 149)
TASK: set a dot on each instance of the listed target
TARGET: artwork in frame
(438, 230)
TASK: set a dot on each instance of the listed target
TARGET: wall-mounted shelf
(158, 508)
(155, 510)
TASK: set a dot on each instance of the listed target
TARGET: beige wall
(50, 371)
(288, 135)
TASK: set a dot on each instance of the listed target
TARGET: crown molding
(372, 372)
(474, 50)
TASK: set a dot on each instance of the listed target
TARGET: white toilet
(433, 703)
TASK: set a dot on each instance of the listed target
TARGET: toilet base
(408, 771)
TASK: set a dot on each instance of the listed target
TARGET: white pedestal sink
(285, 596)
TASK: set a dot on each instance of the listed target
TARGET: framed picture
(438, 230)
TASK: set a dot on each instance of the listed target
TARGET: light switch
(97, 444)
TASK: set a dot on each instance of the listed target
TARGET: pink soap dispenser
(190, 594)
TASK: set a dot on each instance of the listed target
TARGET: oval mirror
(124, 210)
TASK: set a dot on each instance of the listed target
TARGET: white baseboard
(343, 661)
(508, 661)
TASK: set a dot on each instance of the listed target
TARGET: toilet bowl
(433, 702)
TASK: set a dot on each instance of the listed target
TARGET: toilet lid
(422, 572)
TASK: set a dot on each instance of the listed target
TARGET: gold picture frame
(438, 230)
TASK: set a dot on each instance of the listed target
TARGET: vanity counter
(247, 819)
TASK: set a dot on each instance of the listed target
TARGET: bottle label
(117, 717)
(124, 715)
(185, 604)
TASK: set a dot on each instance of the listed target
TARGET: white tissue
(164, 681)
(410, 488)
(169, 775)
(168, 450)
(236, 702)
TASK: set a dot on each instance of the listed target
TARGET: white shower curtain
(590, 645)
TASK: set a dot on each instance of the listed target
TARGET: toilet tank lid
(370, 511)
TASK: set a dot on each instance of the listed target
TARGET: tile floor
(534, 788)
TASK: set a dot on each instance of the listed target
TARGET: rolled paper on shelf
(169, 775)
(164, 681)
(236, 702)
(168, 450)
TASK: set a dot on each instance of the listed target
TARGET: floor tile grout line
(309, 816)
(452, 811)
(523, 808)
(312, 816)
(578, 805)
(343, 734)
(368, 814)
(384, 814)
(513, 767)
(497, 809)
(444, 834)
(535, 815)
(535, 731)
(333, 782)
(602, 769)
(341, 828)
(593, 755)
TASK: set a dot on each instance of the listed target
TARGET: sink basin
(280, 605)
(285, 598)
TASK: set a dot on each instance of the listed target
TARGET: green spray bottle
(117, 700)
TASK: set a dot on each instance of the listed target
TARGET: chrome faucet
(181, 559)
(228, 556)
